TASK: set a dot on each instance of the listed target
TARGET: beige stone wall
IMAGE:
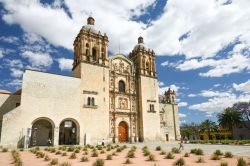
(95, 83)
(43, 95)
(150, 121)
(7, 103)
(171, 121)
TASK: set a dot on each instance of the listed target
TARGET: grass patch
(158, 148)
(200, 160)
(65, 164)
(215, 157)
(186, 154)
(163, 152)
(169, 156)
(241, 162)
(228, 155)
(151, 157)
(223, 164)
(46, 158)
(94, 154)
(218, 152)
(175, 150)
(72, 156)
(54, 161)
(84, 159)
(5, 150)
(99, 162)
(109, 157)
(179, 162)
(128, 161)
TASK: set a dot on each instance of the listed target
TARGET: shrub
(228, 155)
(16, 158)
(169, 156)
(151, 157)
(109, 157)
(21, 149)
(58, 152)
(163, 152)
(193, 151)
(118, 150)
(241, 162)
(124, 146)
(127, 161)
(218, 152)
(64, 154)
(99, 148)
(46, 158)
(133, 148)
(215, 157)
(131, 154)
(102, 152)
(200, 160)
(146, 153)
(179, 162)
(85, 149)
(158, 148)
(52, 150)
(72, 156)
(186, 154)
(199, 152)
(70, 149)
(223, 164)
(54, 161)
(37, 148)
(94, 154)
(85, 153)
(5, 150)
(108, 149)
(65, 164)
(144, 148)
(99, 162)
(114, 154)
(175, 150)
(77, 151)
(84, 159)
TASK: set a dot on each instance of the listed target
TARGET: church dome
(90, 25)
(140, 44)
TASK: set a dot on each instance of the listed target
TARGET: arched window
(89, 101)
(147, 66)
(121, 86)
(93, 101)
(94, 54)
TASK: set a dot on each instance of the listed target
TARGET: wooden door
(123, 132)
(167, 139)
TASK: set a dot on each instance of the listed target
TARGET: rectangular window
(151, 108)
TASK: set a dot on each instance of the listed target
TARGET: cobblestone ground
(240, 150)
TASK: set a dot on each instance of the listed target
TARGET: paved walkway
(240, 150)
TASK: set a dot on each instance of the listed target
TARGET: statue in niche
(123, 103)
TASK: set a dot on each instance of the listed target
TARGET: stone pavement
(240, 150)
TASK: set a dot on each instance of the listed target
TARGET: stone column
(56, 136)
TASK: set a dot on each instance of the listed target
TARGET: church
(111, 98)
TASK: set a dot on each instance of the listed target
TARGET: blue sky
(202, 47)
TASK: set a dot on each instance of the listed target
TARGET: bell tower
(92, 67)
(144, 59)
(147, 91)
(90, 46)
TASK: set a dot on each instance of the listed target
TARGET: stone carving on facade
(123, 103)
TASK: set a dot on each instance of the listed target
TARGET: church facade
(107, 98)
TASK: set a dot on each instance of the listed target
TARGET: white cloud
(181, 115)
(65, 64)
(160, 83)
(1, 53)
(16, 72)
(38, 59)
(165, 88)
(192, 95)
(182, 104)
(218, 101)
(9, 39)
(244, 87)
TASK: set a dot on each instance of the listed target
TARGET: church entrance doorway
(123, 132)
(42, 131)
(68, 133)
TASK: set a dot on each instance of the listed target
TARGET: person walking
(49, 142)
(181, 144)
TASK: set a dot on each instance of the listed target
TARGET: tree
(230, 118)
(189, 130)
(244, 109)
(208, 126)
